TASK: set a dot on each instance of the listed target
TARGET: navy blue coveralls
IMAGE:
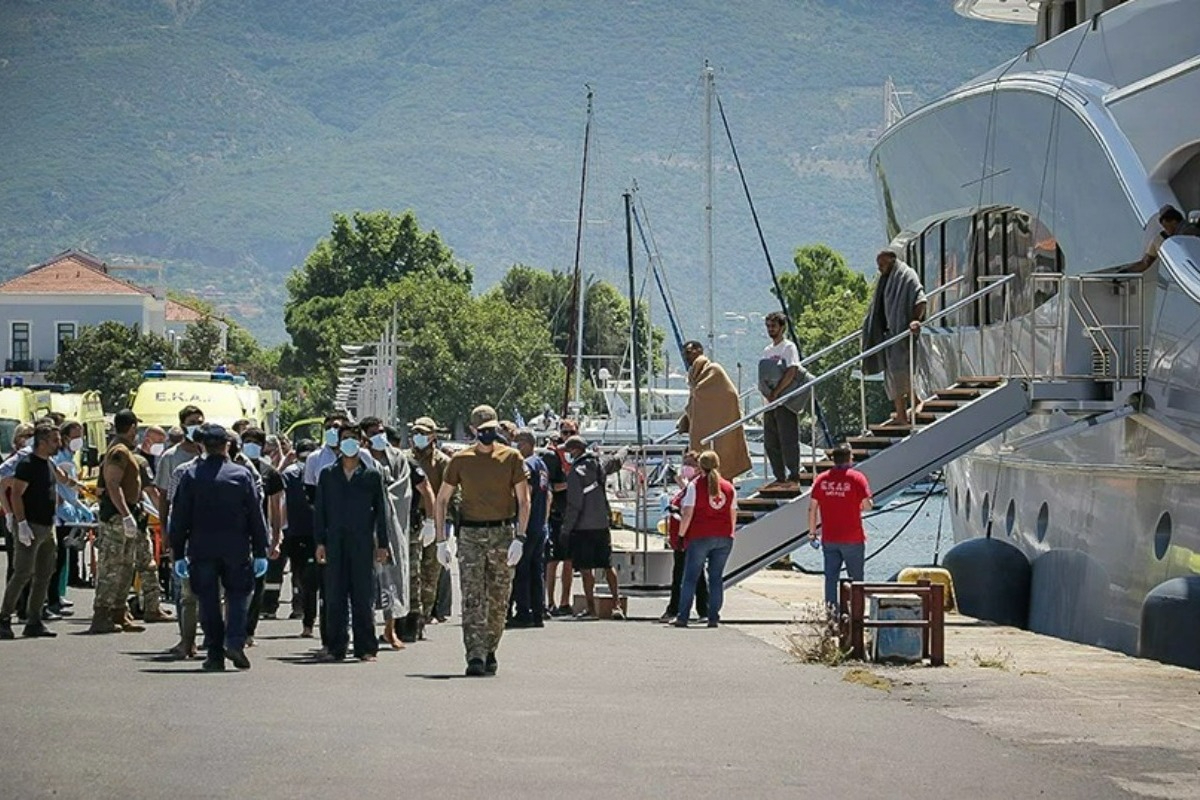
(217, 522)
(350, 521)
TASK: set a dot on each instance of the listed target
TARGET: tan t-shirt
(487, 481)
(131, 479)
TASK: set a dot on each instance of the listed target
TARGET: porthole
(1162, 536)
(1043, 522)
(954, 501)
(985, 510)
(1010, 517)
(967, 507)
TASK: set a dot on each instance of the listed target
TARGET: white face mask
(379, 442)
(157, 449)
(420, 441)
(191, 432)
(75, 444)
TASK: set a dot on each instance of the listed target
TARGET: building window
(66, 330)
(20, 341)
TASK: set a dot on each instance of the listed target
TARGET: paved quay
(579, 709)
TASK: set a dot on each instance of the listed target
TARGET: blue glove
(181, 568)
(260, 567)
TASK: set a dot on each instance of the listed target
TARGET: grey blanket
(392, 577)
(770, 373)
(888, 315)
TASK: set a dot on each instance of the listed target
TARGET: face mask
(76, 444)
(420, 441)
(349, 447)
(487, 436)
(688, 472)
(379, 441)
(331, 437)
(157, 448)
(252, 450)
(190, 430)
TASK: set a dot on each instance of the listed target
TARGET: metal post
(937, 626)
(912, 382)
(812, 419)
(708, 207)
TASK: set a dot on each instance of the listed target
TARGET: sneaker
(237, 657)
(49, 615)
(666, 617)
(213, 664)
(547, 613)
(712, 623)
(6, 631)
(585, 616)
(38, 631)
(61, 610)
(306, 633)
(491, 665)
(476, 668)
(249, 642)
(680, 623)
(562, 611)
(518, 622)
(65, 603)
(617, 613)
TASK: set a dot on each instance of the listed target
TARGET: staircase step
(899, 431)
(783, 493)
(984, 381)
(756, 503)
(872, 443)
(746, 517)
(942, 405)
(958, 392)
(858, 453)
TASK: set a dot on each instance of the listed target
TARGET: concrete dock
(596, 709)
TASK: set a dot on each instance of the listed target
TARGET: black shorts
(556, 549)
(591, 549)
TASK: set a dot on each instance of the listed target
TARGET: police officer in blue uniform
(219, 540)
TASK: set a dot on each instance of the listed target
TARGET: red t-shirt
(710, 515)
(839, 494)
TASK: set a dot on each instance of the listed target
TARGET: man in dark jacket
(350, 529)
(219, 540)
(585, 524)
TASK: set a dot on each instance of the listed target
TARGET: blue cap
(212, 434)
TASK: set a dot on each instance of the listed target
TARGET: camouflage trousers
(485, 580)
(116, 560)
(423, 573)
(147, 571)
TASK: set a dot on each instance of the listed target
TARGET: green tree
(110, 358)
(827, 301)
(372, 249)
(201, 347)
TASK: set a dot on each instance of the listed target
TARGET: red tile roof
(71, 272)
(178, 312)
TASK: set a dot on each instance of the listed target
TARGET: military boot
(103, 622)
(407, 627)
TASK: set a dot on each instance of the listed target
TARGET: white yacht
(1051, 171)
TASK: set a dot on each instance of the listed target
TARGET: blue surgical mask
(253, 450)
(379, 442)
(191, 432)
(349, 447)
(487, 435)
(420, 441)
(331, 437)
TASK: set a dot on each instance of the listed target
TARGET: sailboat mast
(575, 344)
(708, 206)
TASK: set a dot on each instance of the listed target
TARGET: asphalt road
(578, 709)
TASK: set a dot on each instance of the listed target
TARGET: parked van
(224, 398)
(17, 405)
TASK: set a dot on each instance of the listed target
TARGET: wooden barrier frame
(853, 622)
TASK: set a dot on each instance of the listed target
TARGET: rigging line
(683, 119)
(762, 239)
(674, 323)
(928, 493)
(989, 139)
(656, 254)
(937, 544)
(575, 335)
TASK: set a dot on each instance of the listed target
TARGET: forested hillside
(218, 136)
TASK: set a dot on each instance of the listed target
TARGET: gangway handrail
(819, 379)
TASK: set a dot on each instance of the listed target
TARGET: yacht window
(1162, 536)
(1010, 517)
(1043, 522)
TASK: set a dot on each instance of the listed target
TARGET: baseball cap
(305, 447)
(424, 425)
(484, 417)
(212, 434)
(576, 443)
(124, 418)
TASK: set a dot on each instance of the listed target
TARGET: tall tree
(827, 301)
(202, 346)
(110, 357)
(372, 249)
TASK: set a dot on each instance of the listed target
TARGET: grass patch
(1001, 659)
(867, 678)
(817, 641)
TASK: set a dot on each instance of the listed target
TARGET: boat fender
(1068, 596)
(991, 580)
(1170, 630)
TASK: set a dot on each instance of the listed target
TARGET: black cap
(124, 418)
(212, 434)
(305, 447)
(576, 442)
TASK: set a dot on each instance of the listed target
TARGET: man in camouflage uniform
(119, 534)
(495, 495)
(424, 569)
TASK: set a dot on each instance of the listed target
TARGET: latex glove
(129, 524)
(444, 556)
(24, 533)
(514, 552)
(428, 534)
(180, 567)
(260, 567)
